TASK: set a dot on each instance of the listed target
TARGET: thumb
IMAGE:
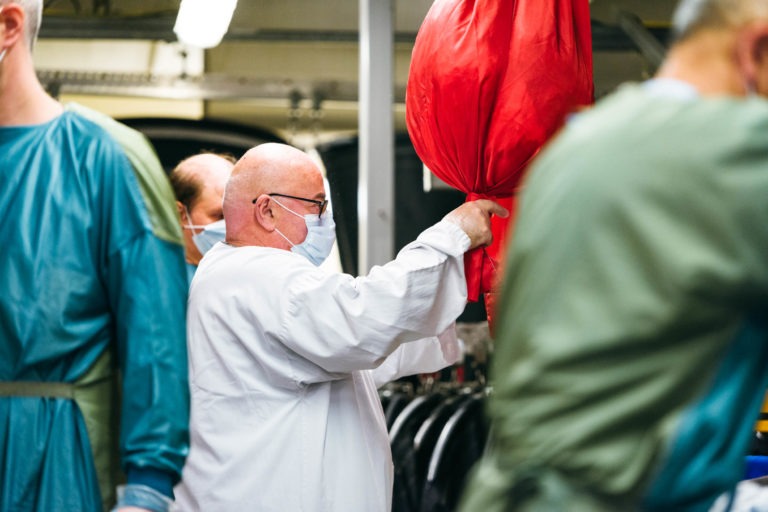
(492, 208)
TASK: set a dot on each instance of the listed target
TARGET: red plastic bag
(490, 81)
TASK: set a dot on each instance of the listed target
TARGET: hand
(474, 218)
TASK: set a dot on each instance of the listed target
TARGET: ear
(12, 18)
(761, 59)
(182, 212)
(752, 54)
(263, 214)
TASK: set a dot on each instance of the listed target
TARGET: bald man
(198, 183)
(631, 353)
(285, 358)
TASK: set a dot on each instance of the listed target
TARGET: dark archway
(176, 139)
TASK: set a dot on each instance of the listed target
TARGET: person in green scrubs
(631, 351)
(93, 366)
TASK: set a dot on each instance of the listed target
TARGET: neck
(23, 101)
(255, 237)
(191, 253)
(706, 62)
(193, 259)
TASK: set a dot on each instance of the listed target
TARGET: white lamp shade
(203, 23)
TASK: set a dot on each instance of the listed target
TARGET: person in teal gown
(93, 368)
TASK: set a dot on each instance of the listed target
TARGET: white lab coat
(285, 412)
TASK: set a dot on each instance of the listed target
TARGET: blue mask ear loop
(190, 226)
(750, 88)
(293, 212)
(2, 53)
(286, 208)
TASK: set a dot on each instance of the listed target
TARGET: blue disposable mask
(208, 235)
(321, 235)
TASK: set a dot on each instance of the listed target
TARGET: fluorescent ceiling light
(203, 23)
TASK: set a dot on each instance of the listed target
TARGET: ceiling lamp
(203, 23)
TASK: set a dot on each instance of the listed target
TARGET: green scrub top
(631, 353)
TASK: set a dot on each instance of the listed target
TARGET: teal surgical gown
(93, 289)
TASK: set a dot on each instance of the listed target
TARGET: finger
(492, 208)
(500, 211)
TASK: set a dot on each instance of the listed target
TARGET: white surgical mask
(208, 234)
(321, 235)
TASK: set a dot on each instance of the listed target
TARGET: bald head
(195, 175)
(693, 16)
(251, 214)
(720, 47)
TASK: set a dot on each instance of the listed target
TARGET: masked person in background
(83, 321)
(631, 354)
(198, 184)
(285, 357)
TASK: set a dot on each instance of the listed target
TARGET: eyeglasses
(320, 204)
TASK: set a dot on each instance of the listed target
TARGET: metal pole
(650, 47)
(375, 193)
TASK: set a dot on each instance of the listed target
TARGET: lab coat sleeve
(426, 355)
(342, 324)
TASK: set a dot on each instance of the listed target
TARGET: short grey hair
(691, 16)
(34, 11)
